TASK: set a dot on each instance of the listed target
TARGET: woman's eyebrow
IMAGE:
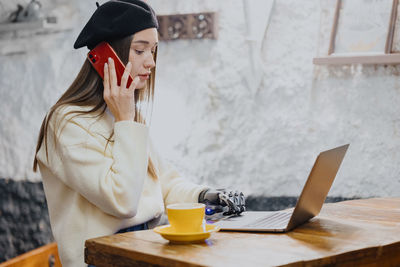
(144, 42)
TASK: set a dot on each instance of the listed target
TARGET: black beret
(114, 20)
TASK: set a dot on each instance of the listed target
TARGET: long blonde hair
(87, 90)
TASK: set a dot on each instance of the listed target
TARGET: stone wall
(24, 219)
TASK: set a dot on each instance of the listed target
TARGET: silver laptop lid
(317, 186)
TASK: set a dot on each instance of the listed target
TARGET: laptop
(308, 205)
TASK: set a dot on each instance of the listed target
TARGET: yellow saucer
(169, 234)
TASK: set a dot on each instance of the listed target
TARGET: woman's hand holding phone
(119, 99)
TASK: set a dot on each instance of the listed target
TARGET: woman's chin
(141, 85)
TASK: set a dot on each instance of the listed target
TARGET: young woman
(100, 173)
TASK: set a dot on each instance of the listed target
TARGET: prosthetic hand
(222, 200)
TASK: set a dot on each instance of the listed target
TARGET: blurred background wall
(220, 116)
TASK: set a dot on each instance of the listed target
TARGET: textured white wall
(216, 129)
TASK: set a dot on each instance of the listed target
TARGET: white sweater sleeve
(175, 188)
(111, 182)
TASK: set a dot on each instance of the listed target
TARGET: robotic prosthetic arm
(222, 200)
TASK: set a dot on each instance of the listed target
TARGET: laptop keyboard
(273, 220)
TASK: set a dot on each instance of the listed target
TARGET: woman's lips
(144, 77)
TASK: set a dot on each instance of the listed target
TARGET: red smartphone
(100, 54)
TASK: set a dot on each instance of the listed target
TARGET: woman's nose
(149, 63)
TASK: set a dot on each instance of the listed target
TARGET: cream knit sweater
(93, 190)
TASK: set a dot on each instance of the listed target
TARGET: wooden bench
(40, 257)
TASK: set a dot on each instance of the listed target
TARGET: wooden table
(345, 233)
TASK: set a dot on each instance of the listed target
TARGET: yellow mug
(186, 217)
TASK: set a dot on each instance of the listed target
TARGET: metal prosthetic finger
(229, 203)
(238, 202)
(242, 202)
(233, 196)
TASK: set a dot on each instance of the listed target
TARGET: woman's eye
(139, 52)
